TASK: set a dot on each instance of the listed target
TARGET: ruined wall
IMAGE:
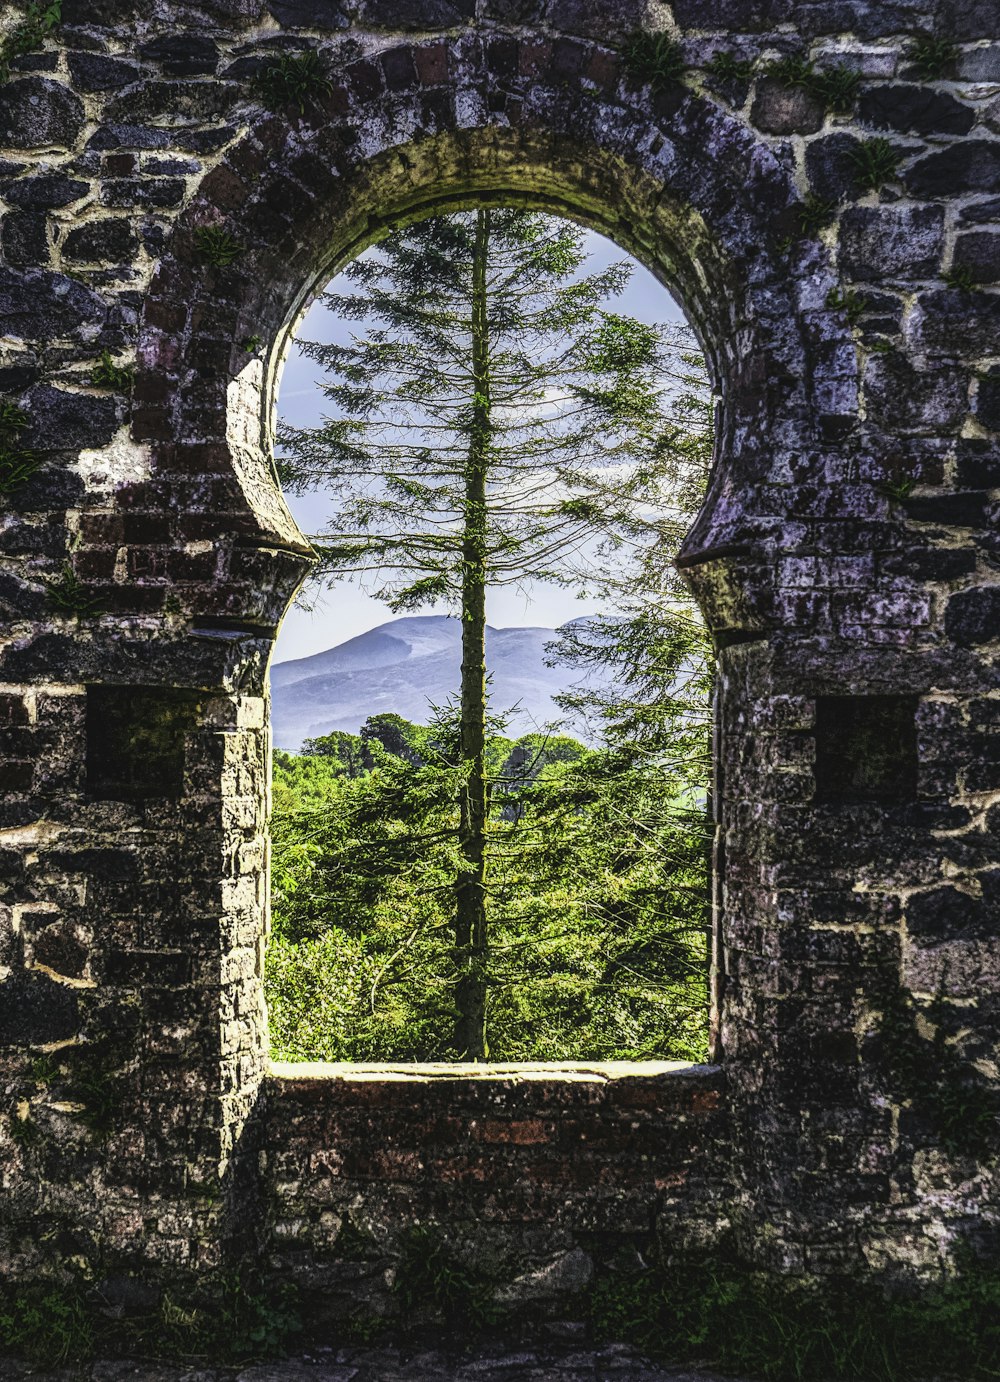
(832, 231)
(533, 1180)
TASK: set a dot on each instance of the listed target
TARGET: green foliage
(49, 1326)
(234, 1318)
(959, 277)
(852, 303)
(217, 247)
(433, 1287)
(876, 161)
(836, 88)
(38, 22)
(107, 375)
(250, 344)
(730, 68)
(653, 59)
(69, 595)
(897, 485)
(931, 1075)
(782, 1329)
(814, 213)
(588, 868)
(598, 866)
(293, 79)
(17, 465)
(24, 1132)
(932, 56)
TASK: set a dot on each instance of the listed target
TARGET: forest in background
(443, 891)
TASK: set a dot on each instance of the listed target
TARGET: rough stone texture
(534, 1176)
(847, 549)
(611, 1363)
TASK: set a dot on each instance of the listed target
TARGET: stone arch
(685, 187)
(857, 809)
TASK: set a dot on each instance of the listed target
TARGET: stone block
(36, 113)
(979, 252)
(972, 617)
(416, 15)
(102, 241)
(70, 420)
(831, 165)
(866, 748)
(48, 190)
(878, 242)
(95, 72)
(778, 109)
(972, 166)
(915, 109)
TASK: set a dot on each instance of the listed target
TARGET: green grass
(791, 1330)
(38, 22)
(814, 213)
(932, 56)
(234, 1318)
(107, 375)
(851, 303)
(292, 80)
(68, 595)
(836, 88)
(656, 60)
(217, 247)
(876, 162)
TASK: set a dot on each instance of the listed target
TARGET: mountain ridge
(407, 665)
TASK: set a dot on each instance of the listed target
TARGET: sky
(342, 611)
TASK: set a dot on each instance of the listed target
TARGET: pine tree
(493, 422)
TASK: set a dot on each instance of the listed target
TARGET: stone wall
(530, 1180)
(831, 226)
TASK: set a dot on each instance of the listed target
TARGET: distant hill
(404, 666)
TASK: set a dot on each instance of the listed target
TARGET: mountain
(404, 666)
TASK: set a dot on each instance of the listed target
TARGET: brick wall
(529, 1178)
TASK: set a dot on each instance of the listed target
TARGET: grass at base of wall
(231, 1319)
(696, 1311)
(814, 1330)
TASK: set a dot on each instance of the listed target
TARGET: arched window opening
(491, 704)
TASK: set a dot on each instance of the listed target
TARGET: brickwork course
(819, 184)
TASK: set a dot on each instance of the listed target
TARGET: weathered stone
(980, 64)
(322, 15)
(970, 167)
(49, 190)
(946, 914)
(95, 72)
(988, 402)
(914, 109)
(897, 393)
(183, 55)
(979, 253)
(61, 420)
(980, 213)
(101, 242)
(37, 305)
(778, 109)
(832, 167)
(24, 238)
(408, 15)
(953, 321)
(973, 616)
(36, 113)
(605, 20)
(883, 241)
(35, 1010)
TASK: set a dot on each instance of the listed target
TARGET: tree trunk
(471, 941)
